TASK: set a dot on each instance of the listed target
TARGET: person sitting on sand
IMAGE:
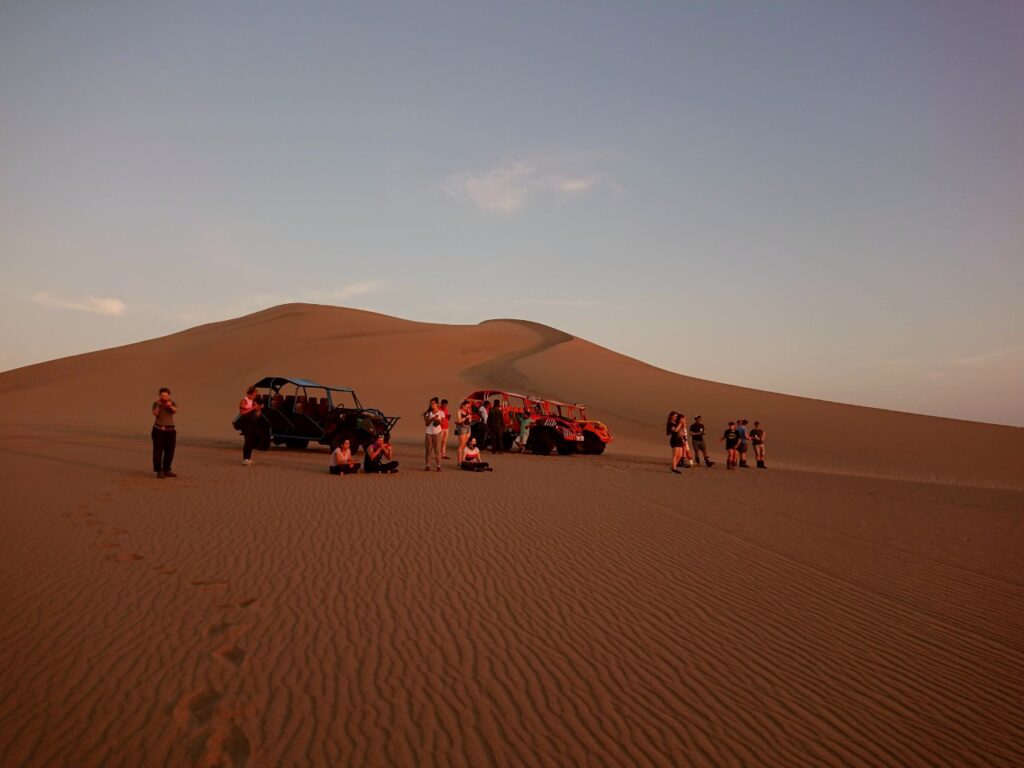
(732, 442)
(757, 436)
(471, 459)
(378, 458)
(673, 428)
(342, 462)
(699, 446)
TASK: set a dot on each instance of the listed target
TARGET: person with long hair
(445, 424)
(463, 427)
(471, 459)
(342, 462)
(249, 410)
(432, 419)
(378, 458)
(672, 426)
(684, 433)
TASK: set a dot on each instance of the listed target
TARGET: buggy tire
(566, 448)
(296, 443)
(263, 437)
(541, 442)
(592, 444)
(507, 440)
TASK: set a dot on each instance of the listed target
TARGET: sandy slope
(397, 365)
(560, 611)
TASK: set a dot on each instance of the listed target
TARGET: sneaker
(160, 475)
(426, 469)
(709, 464)
(676, 471)
(438, 469)
(247, 462)
(168, 473)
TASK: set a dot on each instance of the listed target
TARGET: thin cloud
(1006, 354)
(581, 303)
(91, 304)
(510, 187)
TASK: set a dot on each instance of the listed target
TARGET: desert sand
(859, 603)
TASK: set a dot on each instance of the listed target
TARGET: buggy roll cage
(275, 383)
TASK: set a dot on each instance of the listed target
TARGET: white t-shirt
(435, 429)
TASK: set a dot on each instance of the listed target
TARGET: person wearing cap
(697, 438)
(757, 436)
(741, 428)
(732, 440)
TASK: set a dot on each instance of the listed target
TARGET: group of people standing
(736, 438)
(437, 421)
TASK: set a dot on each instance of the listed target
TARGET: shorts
(676, 441)
(698, 445)
(743, 446)
(461, 429)
(731, 445)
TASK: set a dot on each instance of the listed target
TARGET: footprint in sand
(124, 557)
(207, 585)
(197, 708)
(247, 602)
(230, 653)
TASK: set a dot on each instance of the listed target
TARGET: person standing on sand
(732, 441)
(445, 423)
(525, 420)
(378, 458)
(463, 427)
(697, 438)
(471, 460)
(249, 411)
(757, 437)
(496, 427)
(432, 418)
(342, 462)
(164, 434)
(673, 424)
(481, 426)
(741, 428)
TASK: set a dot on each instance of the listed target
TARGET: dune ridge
(398, 364)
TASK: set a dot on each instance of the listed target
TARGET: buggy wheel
(566, 447)
(541, 442)
(507, 440)
(592, 444)
(262, 437)
(296, 443)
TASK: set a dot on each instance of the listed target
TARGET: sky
(822, 199)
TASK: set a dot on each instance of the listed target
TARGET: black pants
(344, 469)
(382, 468)
(163, 448)
(249, 434)
(497, 441)
(475, 466)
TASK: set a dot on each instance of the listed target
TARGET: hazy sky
(825, 199)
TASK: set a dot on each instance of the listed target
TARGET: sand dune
(560, 611)
(398, 364)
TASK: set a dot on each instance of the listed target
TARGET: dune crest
(397, 364)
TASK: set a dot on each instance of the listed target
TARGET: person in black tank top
(732, 443)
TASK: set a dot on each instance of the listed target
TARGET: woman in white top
(471, 459)
(342, 462)
(433, 418)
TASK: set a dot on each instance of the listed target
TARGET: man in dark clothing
(164, 434)
(697, 438)
(496, 427)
